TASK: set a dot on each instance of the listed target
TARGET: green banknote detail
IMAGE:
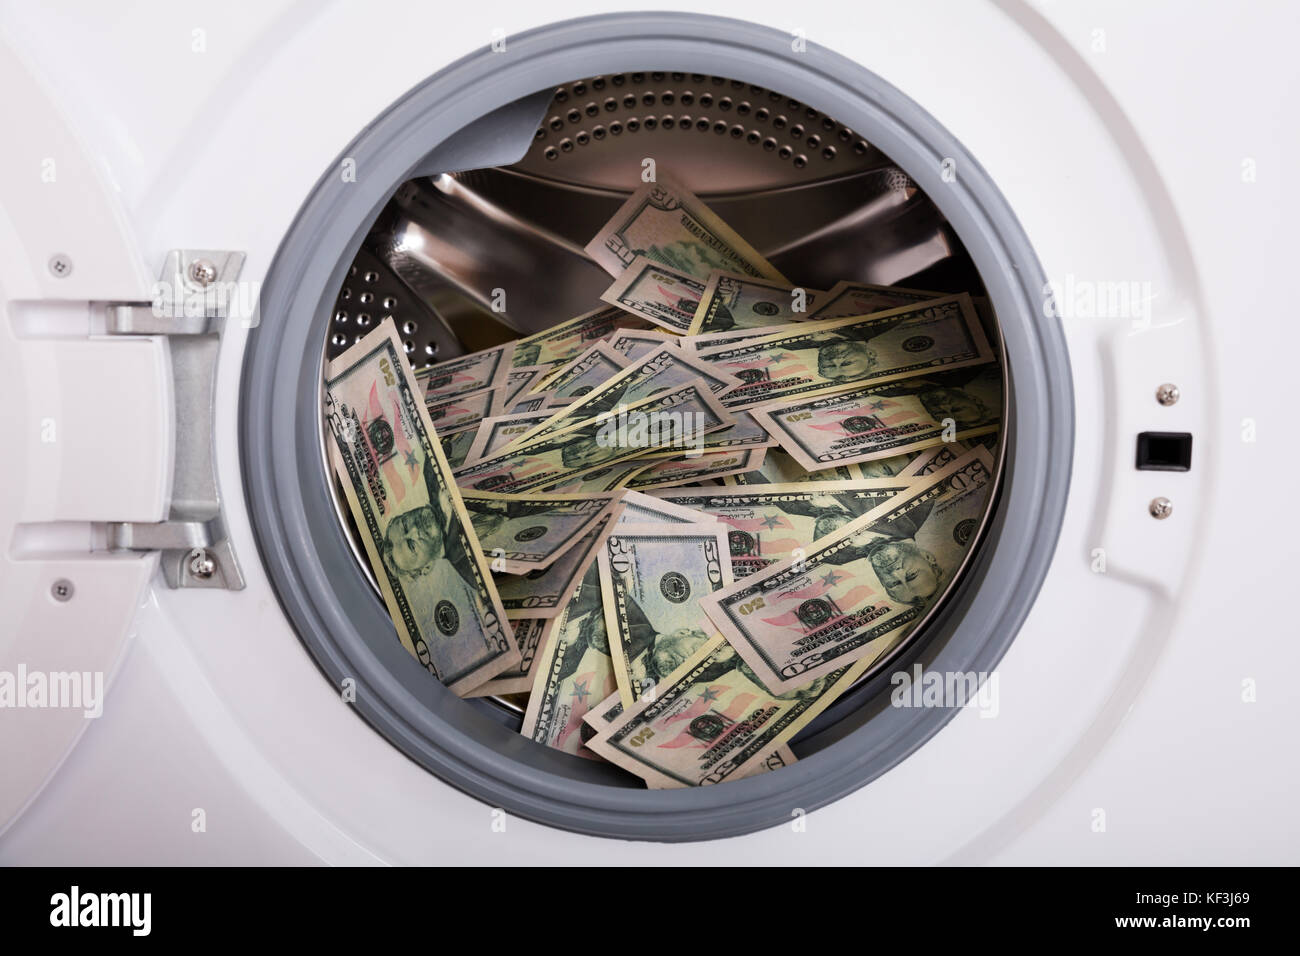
(602, 479)
(521, 534)
(461, 411)
(671, 421)
(562, 343)
(667, 367)
(494, 435)
(813, 358)
(864, 587)
(635, 344)
(542, 593)
(859, 298)
(584, 373)
(414, 526)
(731, 302)
(530, 635)
(778, 468)
(651, 579)
(574, 672)
(456, 446)
(767, 524)
(712, 720)
(467, 373)
(681, 470)
(654, 291)
(885, 420)
(665, 222)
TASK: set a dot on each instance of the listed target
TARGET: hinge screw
(203, 272)
(1161, 508)
(1168, 394)
(62, 590)
(201, 564)
(60, 266)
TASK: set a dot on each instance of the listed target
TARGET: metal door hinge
(192, 303)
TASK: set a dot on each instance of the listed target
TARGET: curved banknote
(529, 403)
(466, 373)
(882, 421)
(894, 465)
(519, 382)
(929, 460)
(654, 291)
(574, 671)
(600, 480)
(417, 534)
(669, 422)
(579, 376)
(493, 435)
(461, 411)
(667, 367)
(862, 588)
(730, 302)
(561, 343)
(711, 340)
(455, 446)
(712, 720)
(530, 635)
(667, 223)
(717, 454)
(636, 507)
(521, 534)
(778, 468)
(651, 579)
(813, 358)
(858, 298)
(634, 344)
(769, 524)
(606, 713)
(673, 472)
(746, 433)
(542, 594)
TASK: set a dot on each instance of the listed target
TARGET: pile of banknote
(674, 529)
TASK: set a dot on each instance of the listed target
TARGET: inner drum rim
(333, 607)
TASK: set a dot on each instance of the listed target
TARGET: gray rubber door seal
(337, 613)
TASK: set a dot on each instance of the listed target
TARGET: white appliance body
(1143, 714)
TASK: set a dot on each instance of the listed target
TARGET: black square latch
(1164, 451)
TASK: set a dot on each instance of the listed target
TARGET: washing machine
(202, 205)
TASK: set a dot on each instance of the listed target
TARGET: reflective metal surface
(197, 295)
(478, 257)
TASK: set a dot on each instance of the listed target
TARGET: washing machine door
(75, 397)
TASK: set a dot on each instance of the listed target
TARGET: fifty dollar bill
(813, 358)
(882, 421)
(862, 588)
(667, 223)
(414, 526)
(651, 579)
(767, 524)
(711, 720)
(675, 420)
(729, 302)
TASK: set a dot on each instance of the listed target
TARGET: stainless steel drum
(808, 192)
